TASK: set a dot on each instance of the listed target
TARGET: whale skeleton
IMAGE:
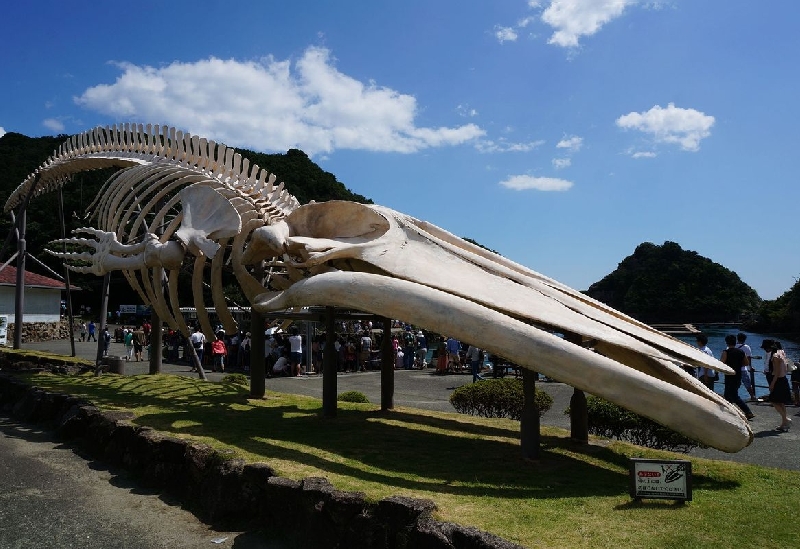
(179, 199)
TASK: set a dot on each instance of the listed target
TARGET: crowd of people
(783, 378)
(357, 348)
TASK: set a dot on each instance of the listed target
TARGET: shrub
(237, 379)
(352, 396)
(496, 398)
(612, 421)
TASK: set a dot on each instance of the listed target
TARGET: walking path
(425, 390)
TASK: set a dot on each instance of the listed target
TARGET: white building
(42, 296)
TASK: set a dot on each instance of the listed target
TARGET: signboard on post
(127, 309)
(3, 329)
(661, 479)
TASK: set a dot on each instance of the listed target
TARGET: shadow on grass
(397, 449)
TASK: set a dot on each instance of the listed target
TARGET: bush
(496, 398)
(352, 396)
(237, 379)
(612, 421)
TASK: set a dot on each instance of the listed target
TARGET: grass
(575, 496)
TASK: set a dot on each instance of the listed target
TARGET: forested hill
(668, 284)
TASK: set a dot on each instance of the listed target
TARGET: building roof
(8, 277)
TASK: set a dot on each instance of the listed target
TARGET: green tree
(668, 284)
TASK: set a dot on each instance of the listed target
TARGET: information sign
(661, 479)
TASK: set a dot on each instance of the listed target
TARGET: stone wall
(40, 331)
(232, 494)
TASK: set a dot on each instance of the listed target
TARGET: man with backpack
(735, 358)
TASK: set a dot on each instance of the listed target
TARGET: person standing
(198, 341)
(128, 344)
(365, 345)
(779, 392)
(409, 343)
(295, 350)
(441, 356)
(766, 345)
(735, 358)
(707, 375)
(146, 328)
(106, 340)
(218, 353)
(139, 340)
(453, 350)
(244, 352)
(422, 350)
(83, 331)
(474, 358)
(747, 379)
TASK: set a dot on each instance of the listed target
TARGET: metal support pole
(70, 318)
(19, 304)
(309, 335)
(156, 334)
(529, 424)
(257, 360)
(101, 327)
(387, 367)
(156, 341)
(578, 411)
(329, 367)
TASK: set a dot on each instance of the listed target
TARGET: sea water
(716, 342)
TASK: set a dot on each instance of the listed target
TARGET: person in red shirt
(218, 353)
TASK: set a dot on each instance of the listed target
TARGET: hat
(766, 344)
(420, 333)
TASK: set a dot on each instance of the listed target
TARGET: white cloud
(2, 131)
(572, 144)
(561, 163)
(644, 154)
(466, 110)
(685, 127)
(526, 182)
(505, 34)
(53, 125)
(489, 146)
(273, 105)
(572, 19)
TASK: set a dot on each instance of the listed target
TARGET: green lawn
(575, 496)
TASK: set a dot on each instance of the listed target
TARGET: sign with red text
(661, 479)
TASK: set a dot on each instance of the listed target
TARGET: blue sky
(560, 133)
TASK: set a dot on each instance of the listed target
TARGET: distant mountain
(668, 284)
(780, 315)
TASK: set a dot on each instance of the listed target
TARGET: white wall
(41, 304)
